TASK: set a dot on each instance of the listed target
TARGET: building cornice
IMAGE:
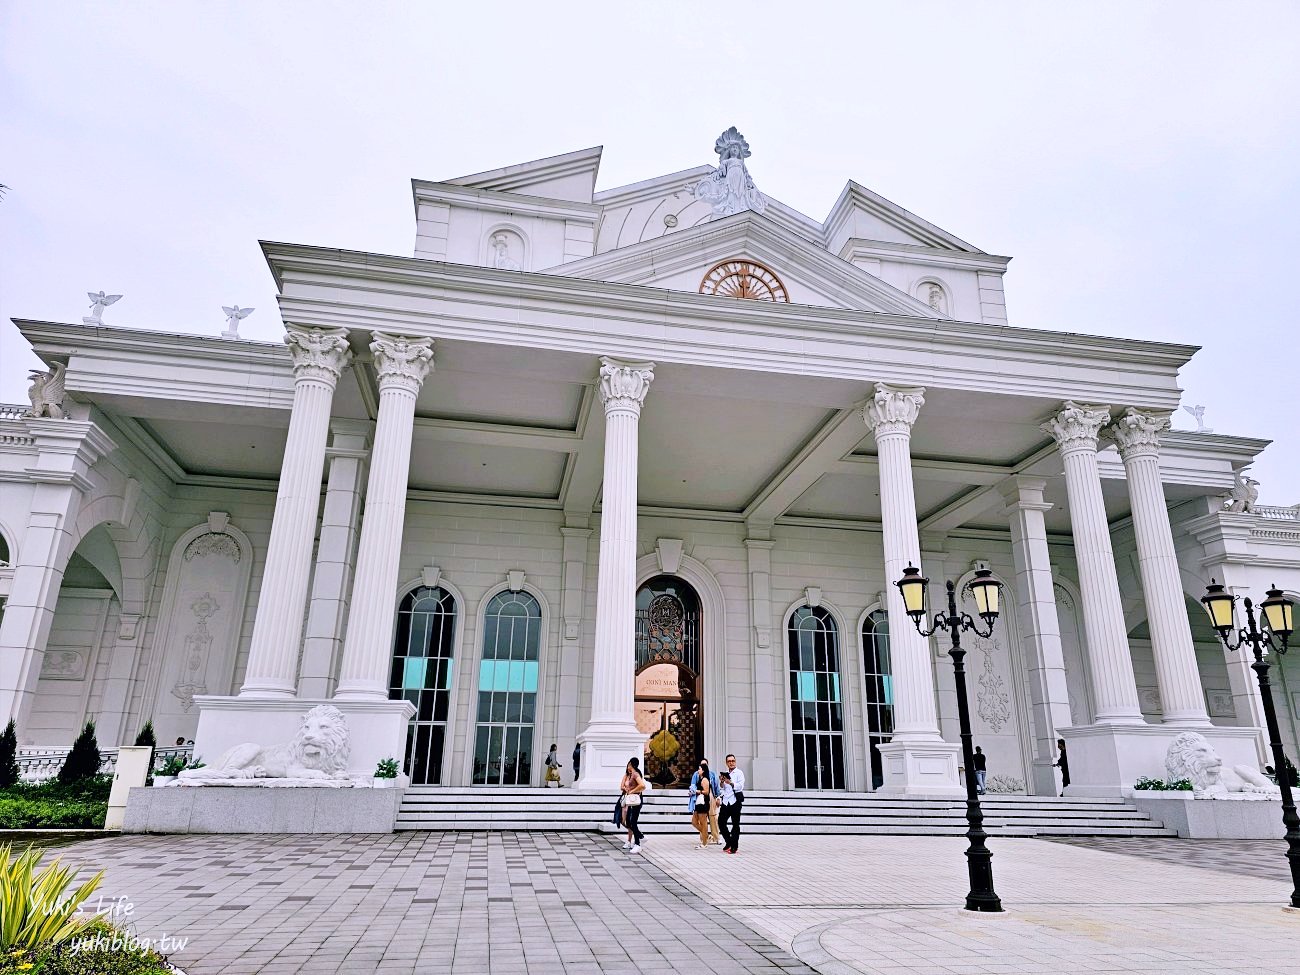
(859, 247)
(855, 196)
(324, 286)
(497, 201)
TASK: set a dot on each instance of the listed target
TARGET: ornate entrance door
(668, 680)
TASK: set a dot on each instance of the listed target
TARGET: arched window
(507, 690)
(816, 711)
(422, 673)
(879, 674)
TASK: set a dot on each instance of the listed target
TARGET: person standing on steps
(981, 763)
(633, 785)
(577, 761)
(738, 787)
(1063, 763)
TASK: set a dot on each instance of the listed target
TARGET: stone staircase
(432, 808)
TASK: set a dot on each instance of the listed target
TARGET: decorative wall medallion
(198, 642)
(667, 634)
(63, 665)
(212, 544)
(992, 703)
(743, 279)
(1063, 598)
(1220, 704)
(1150, 700)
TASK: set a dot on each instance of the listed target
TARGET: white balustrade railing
(1276, 513)
(42, 764)
(12, 411)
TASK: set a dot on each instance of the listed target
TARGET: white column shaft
(612, 675)
(402, 365)
(914, 708)
(277, 629)
(1171, 633)
(1114, 685)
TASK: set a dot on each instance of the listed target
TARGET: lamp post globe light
(987, 595)
(1271, 633)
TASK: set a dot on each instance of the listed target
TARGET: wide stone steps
(432, 808)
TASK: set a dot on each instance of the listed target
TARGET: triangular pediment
(810, 276)
(862, 214)
(571, 177)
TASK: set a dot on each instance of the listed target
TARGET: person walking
(1063, 763)
(738, 787)
(553, 768)
(704, 772)
(633, 785)
(981, 763)
(702, 801)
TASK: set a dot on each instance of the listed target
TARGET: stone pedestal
(1213, 819)
(377, 728)
(214, 809)
(1106, 760)
(914, 768)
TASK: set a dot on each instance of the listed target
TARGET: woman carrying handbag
(633, 785)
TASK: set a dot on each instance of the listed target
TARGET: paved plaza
(575, 903)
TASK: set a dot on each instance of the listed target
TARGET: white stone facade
(565, 402)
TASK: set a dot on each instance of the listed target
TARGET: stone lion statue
(319, 751)
(1191, 757)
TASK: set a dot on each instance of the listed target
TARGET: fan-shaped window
(816, 709)
(507, 690)
(422, 674)
(878, 672)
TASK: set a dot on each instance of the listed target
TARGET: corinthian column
(319, 357)
(611, 736)
(402, 364)
(1137, 435)
(916, 759)
(1075, 430)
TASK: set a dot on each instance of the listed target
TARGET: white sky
(1140, 161)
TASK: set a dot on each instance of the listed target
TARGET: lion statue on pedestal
(1191, 757)
(318, 753)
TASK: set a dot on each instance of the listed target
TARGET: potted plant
(386, 773)
(168, 771)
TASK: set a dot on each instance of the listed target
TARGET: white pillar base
(378, 728)
(1106, 760)
(606, 748)
(916, 768)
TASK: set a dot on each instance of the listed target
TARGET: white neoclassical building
(633, 468)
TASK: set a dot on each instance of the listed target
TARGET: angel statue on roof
(729, 188)
(98, 302)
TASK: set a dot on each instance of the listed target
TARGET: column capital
(401, 361)
(893, 409)
(1137, 433)
(1076, 426)
(318, 353)
(623, 385)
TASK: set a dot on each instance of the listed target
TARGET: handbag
(631, 799)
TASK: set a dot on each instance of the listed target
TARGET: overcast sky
(1139, 161)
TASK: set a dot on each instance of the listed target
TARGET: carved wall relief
(993, 704)
(201, 621)
(505, 250)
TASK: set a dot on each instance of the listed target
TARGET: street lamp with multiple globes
(1275, 615)
(987, 594)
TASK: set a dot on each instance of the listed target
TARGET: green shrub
(55, 805)
(386, 769)
(1145, 784)
(84, 760)
(94, 952)
(146, 737)
(173, 766)
(37, 910)
(9, 756)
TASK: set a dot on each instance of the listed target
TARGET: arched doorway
(669, 682)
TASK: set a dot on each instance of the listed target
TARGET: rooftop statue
(234, 315)
(1243, 495)
(46, 392)
(1199, 413)
(99, 301)
(729, 188)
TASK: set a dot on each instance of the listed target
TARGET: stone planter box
(1213, 819)
(216, 809)
(161, 780)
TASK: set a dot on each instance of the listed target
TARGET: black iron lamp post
(1275, 617)
(987, 593)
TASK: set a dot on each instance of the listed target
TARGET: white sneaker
(627, 845)
(636, 848)
(699, 846)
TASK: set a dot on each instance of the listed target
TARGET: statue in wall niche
(46, 392)
(934, 298)
(1244, 494)
(317, 756)
(729, 188)
(501, 257)
(1192, 757)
